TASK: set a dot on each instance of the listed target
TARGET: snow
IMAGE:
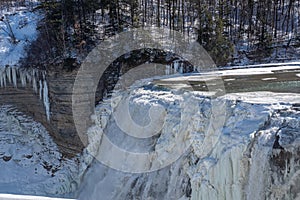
(23, 23)
(269, 79)
(30, 161)
(26, 197)
(265, 97)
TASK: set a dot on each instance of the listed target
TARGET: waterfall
(175, 67)
(236, 162)
(23, 79)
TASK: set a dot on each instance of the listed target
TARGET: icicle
(28, 76)
(168, 69)
(46, 100)
(34, 82)
(34, 85)
(1, 79)
(44, 75)
(14, 76)
(8, 74)
(23, 78)
(176, 66)
(41, 89)
(181, 69)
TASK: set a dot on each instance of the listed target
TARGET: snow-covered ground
(19, 22)
(30, 161)
(28, 197)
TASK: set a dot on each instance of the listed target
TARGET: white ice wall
(233, 164)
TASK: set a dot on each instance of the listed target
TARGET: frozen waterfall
(252, 155)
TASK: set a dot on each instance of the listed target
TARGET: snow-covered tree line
(219, 25)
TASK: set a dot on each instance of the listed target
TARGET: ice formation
(176, 67)
(20, 77)
(255, 154)
(46, 99)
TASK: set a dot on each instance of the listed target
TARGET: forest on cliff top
(232, 31)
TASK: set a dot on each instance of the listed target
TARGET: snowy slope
(30, 161)
(23, 23)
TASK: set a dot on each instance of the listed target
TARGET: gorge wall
(52, 105)
(46, 97)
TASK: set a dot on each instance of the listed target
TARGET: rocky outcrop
(65, 135)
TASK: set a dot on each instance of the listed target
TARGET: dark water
(283, 81)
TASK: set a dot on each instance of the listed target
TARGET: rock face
(60, 93)
(25, 89)
(33, 93)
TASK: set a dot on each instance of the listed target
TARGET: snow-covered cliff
(247, 147)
